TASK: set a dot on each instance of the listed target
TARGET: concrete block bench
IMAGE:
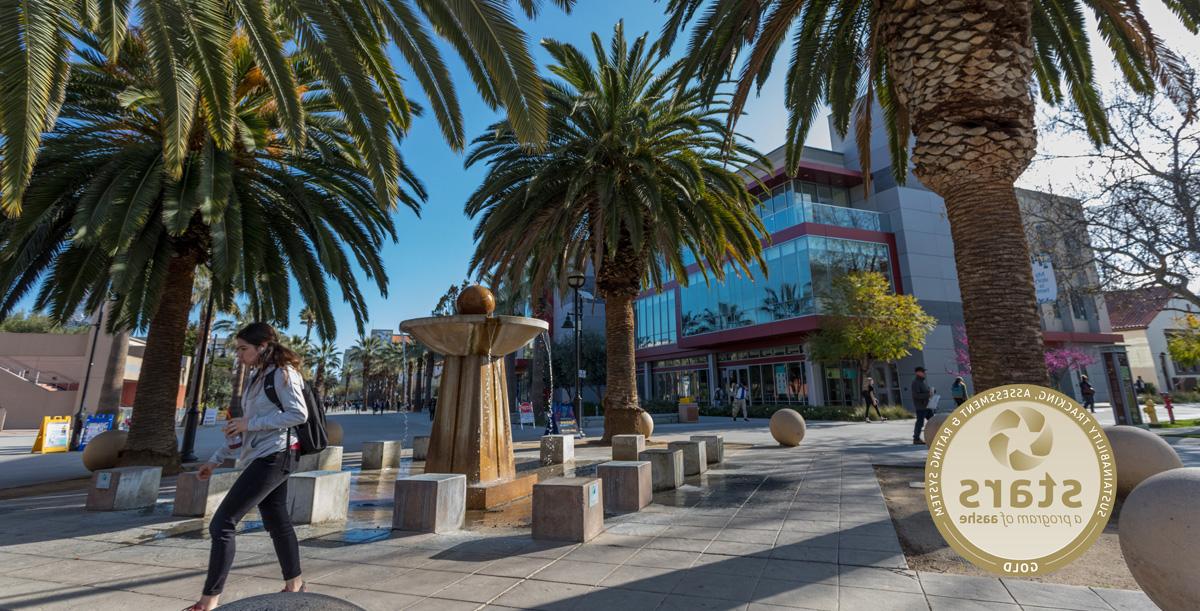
(431, 502)
(557, 449)
(568, 509)
(627, 447)
(318, 496)
(666, 468)
(123, 488)
(628, 485)
(420, 447)
(695, 460)
(195, 498)
(714, 447)
(378, 455)
(329, 459)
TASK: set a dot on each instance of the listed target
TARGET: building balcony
(823, 214)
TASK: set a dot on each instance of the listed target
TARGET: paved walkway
(771, 528)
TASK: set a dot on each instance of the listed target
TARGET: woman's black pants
(262, 483)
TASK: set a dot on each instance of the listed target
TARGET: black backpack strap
(273, 395)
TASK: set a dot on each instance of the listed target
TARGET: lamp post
(77, 429)
(404, 360)
(575, 281)
(192, 418)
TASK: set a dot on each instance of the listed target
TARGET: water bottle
(235, 441)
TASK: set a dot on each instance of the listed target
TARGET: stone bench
(420, 447)
(627, 447)
(318, 496)
(557, 449)
(378, 455)
(123, 488)
(714, 447)
(568, 509)
(196, 498)
(628, 485)
(329, 459)
(431, 502)
(666, 468)
(695, 460)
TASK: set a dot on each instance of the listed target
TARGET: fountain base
(487, 495)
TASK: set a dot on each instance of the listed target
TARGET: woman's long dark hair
(277, 354)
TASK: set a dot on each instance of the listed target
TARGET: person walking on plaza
(959, 391)
(920, 396)
(870, 400)
(740, 402)
(1088, 392)
(1139, 386)
(262, 440)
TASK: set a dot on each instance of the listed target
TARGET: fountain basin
(474, 334)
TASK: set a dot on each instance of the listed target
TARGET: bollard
(1149, 409)
(1166, 403)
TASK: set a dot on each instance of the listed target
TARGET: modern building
(1146, 319)
(822, 224)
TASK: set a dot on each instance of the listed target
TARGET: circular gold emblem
(1020, 480)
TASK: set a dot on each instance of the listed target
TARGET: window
(655, 319)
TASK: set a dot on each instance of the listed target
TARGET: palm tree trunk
(319, 381)
(113, 387)
(962, 72)
(618, 282)
(429, 356)
(235, 394)
(151, 438)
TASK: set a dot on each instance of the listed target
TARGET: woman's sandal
(196, 607)
(303, 588)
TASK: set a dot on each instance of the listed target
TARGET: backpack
(311, 433)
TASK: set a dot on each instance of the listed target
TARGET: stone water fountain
(472, 433)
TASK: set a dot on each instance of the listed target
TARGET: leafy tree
(33, 322)
(308, 318)
(105, 215)
(365, 351)
(592, 358)
(1184, 344)
(866, 322)
(192, 70)
(957, 78)
(326, 360)
(636, 170)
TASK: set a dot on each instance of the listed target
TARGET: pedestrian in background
(920, 397)
(1088, 392)
(870, 399)
(959, 391)
(741, 403)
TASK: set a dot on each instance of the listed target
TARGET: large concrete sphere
(787, 427)
(101, 452)
(1160, 537)
(333, 431)
(1140, 454)
(475, 299)
(933, 425)
(645, 424)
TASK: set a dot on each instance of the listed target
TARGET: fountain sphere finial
(475, 299)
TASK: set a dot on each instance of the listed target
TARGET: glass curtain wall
(655, 318)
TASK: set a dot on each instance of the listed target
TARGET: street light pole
(575, 281)
(77, 430)
(191, 419)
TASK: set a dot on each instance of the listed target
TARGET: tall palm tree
(308, 318)
(105, 215)
(364, 352)
(349, 44)
(326, 359)
(635, 172)
(956, 76)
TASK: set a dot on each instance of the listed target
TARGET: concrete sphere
(645, 424)
(101, 452)
(475, 299)
(1160, 537)
(933, 425)
(787, 427)
(1140, 454)
(333, 431)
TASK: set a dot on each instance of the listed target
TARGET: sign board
(525, 413)
(593, 494)
(1044, 284)
(124, 415)
(567, 425)
(583, 374)
(94, 425)
(781, 380)
(210, 416)
(103, 480)
(53, 436)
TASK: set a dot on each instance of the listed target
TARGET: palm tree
(308, 318)
(325, 358)
(104, 215)
(192, 71)
(364, 351)
(635, 171)
(787, 302)
(957, 76)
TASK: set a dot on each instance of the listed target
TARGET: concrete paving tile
(878, 544)
(519, 568)
(858, 557)
(60, 548)
(809, 553)
(793, 570)
(665, 559)
(607, 599)
(417, 582)
(766, 524)
(702, 533)
(679, 545)
(607, 554)
(797, 594)
(637, 529)
(811, 539)
(861, 598)
(86, 572)
(878, 579)
(707, 521)
(371, 600)
(16, 562)
(572, 571)
(91, 598)
(646, 578)
(1032, 593)
(972, 587)
(547, 549)
(633, 541)
(811, 526)
(268, 567)
(549, 595)
(747, 566)
(440, 604)
(1126, 600)
(941, 603)
(741, 535)
(476, 588)
(376, 553)
(676, 602)
(459, 562)
(717, 585)
(733, 548)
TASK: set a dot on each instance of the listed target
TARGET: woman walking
(870, 399)
(263, 441)
(959, 391)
